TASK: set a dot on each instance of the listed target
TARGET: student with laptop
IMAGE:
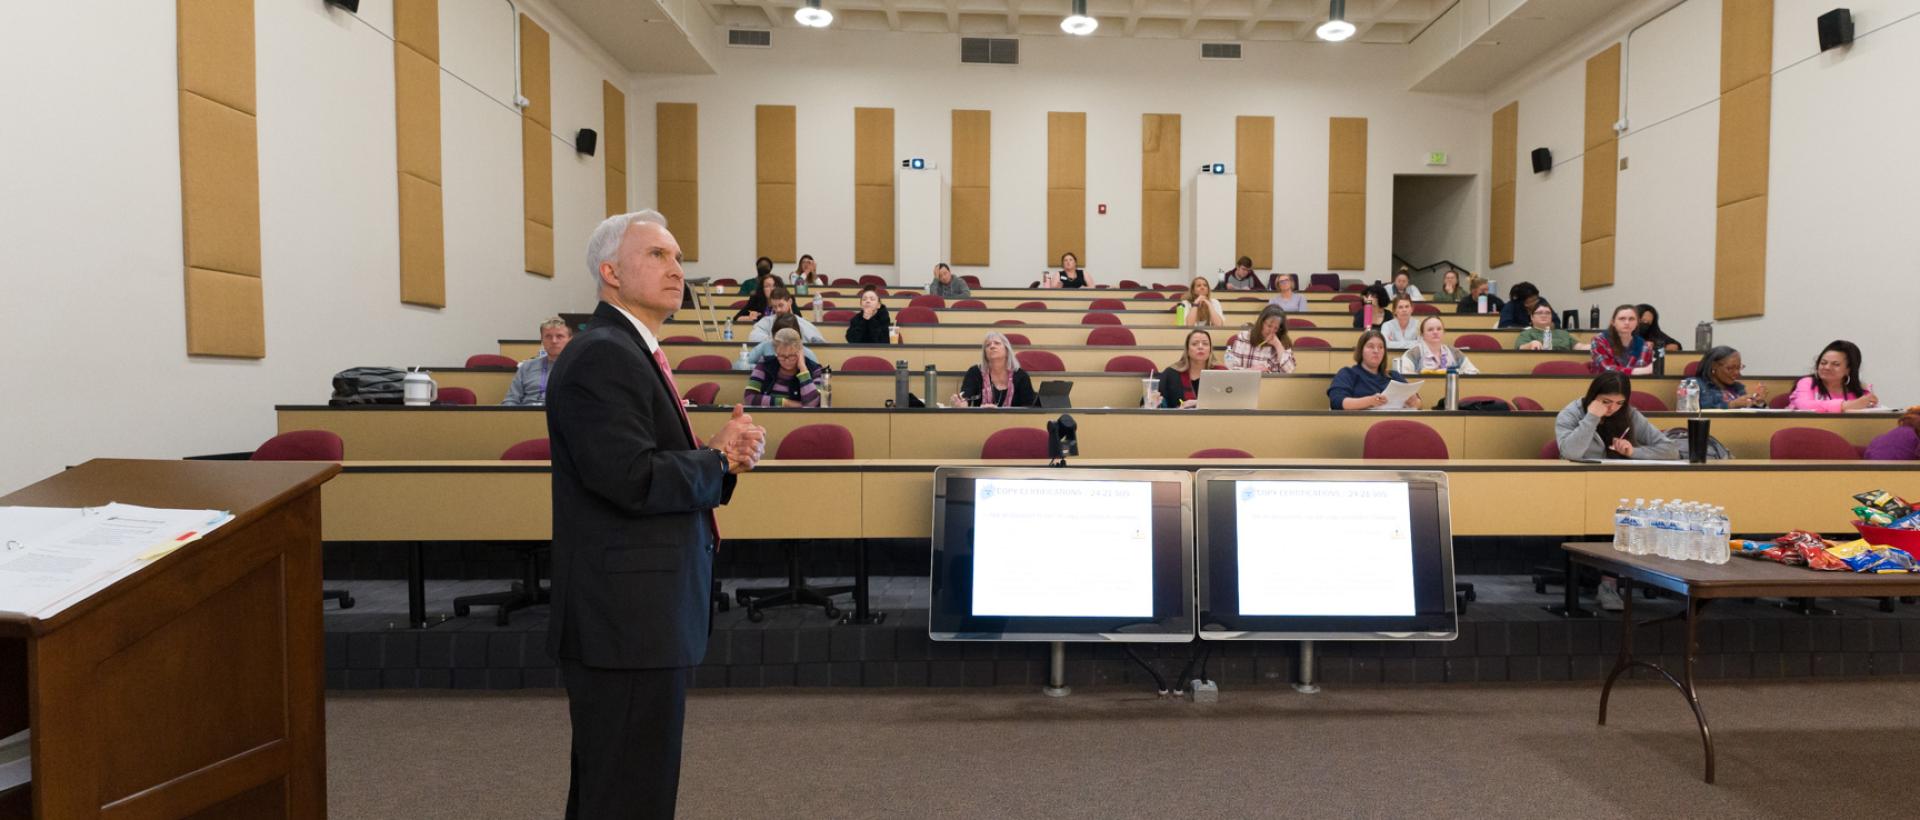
(1264, 345)
(997, 381)
(1363, 384)
(1180, 382)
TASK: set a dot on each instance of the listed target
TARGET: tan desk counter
(390, 433)
(1138, 314)
(1052, 329)
(511, 501)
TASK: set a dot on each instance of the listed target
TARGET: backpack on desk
(367, 385)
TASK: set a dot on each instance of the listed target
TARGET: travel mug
(1697, 438)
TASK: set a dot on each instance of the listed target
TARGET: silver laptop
(1230, 390)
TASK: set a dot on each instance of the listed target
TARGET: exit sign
(1437, 158)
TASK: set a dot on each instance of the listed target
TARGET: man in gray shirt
(529, 388)
(947, 285)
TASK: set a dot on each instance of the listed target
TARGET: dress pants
(626, 740)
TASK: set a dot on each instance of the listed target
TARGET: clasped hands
(741, 441)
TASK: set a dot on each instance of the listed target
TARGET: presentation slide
(1063, 548)
(1324, 548)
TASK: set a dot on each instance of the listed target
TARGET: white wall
(1840, 257)
(93, 306)
(1436, 218)
(826, 74)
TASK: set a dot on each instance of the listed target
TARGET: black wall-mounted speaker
(352, 6)
(1542, 160)
(1836, 28)
(585, 141)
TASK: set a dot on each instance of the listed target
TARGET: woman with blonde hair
(997, 381)
(1180, 382)
(1202, 309)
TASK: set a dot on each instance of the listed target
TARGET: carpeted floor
(1801, 749)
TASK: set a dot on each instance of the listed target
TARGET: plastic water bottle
(1721, 530)
(726, 332)
(746, 359)
(1622, 526)
(1692, 387)
(1692, 528)
(1657, 528)
(826, 387)
(1636, 527)
(817, 314)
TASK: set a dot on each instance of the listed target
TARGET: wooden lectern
(192, 688)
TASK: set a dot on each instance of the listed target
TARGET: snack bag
(1873, 517)
(1860, 556)
(1911, 522)
(1885, 502)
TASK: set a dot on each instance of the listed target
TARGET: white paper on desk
(1629, 462)
(1397, 394)
(16, 766)
(46, 572)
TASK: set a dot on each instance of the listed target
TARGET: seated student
(1071, 276)
(1242, 277)
(1902, 443)
(781, 321)
(1432, 354)
(1522, 298)
(1719, 380)
(779, 302)
(762, 268)
(1382, 306)
(805, 274)
(872, 325)
(785, 378)
(1202, 309)
(1542, 335)
(1650, 329)
(947, 285)
(1603, 425)
(1180, 382)
(997, 381)
(1363, 384)
(1835, 385)
(1451, 291)
(1618, 349)
(1263, 346)
(1401, 331)
(1287, 295)
(1402, 285)
(529, 387)
(756, 307)
(1478, 287)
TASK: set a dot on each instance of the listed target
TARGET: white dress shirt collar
(653, 345)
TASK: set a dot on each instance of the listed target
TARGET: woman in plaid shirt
(1618, 350)
(1265, 346)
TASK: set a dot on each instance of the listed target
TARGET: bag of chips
(1885, 502)
(1860, 556)
(1872, 517)
(1911, 522)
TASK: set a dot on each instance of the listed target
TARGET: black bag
(1485, 406)
(1715, 450)
(367, 385)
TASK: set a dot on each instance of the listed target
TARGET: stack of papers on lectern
(53, 557)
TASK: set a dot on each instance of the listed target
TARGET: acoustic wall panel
(1346, 193)
(416, 100)
(613, 145)
(676, 156)
(536, 145)
(970, 200)
(873, 186)
(1066, 186)
(774, 182)
(1159, 190)
(1746, 127)
(1506, 158)
(1253, 170)
(220, 179)
(1600, 170)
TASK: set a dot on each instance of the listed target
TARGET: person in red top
(1180, 382)
(1618, 350)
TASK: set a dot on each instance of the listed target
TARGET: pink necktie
(666, 371)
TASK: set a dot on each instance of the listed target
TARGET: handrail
(1416, 270)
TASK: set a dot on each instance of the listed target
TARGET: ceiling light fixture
(1078, 23)
(812, 15)
(1336, 28)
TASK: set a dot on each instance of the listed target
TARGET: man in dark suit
(633, 531)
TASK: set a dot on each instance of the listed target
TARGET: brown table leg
(1685, 684)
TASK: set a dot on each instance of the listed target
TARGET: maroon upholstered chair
(1249, 299)
(1297, 323)
(727, 283)
(1009, 322)
(704, 393)
(1015, 442)
(302, 445)
(457, 395)
(866, 364)
(1550, 451)
(971, 280)
(1692, 369)
(1425, 309)
(844, 282)
(1220, 452)
(1560, 368)
(678, 340)
(737, 304)
(703, 363)
(870, 279)
(1150, 294)
(1400, 439)
(969, 304)
(1646, 402)
(1019, 339)
(1129, 284)
(1108, 336)
(1041, 361)
(1477, 341)
(1781, 401)
(1526, 405)
(927, 302)
(1106, 304)
(533, 449)
(1331, 281)
(1130, 363)
(917, 316)
(1033, 305)
(816, 442)
(837, 316)
(1100, 319)
(1471, 399)
(1346, 297)
(491, 360)
(1312, 343)
(1319, 288)
(1810, 444)
(1355, 288)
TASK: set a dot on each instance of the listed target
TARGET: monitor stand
(1057, 672)
(1305, 684)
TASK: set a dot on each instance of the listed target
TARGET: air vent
(1219, 51)
(750, 38)
(998, 50)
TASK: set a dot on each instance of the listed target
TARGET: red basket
(1907, 540)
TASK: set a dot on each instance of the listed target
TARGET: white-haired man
(633, 527)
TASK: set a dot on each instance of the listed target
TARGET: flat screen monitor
(1324, 555)
(1062, 554)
